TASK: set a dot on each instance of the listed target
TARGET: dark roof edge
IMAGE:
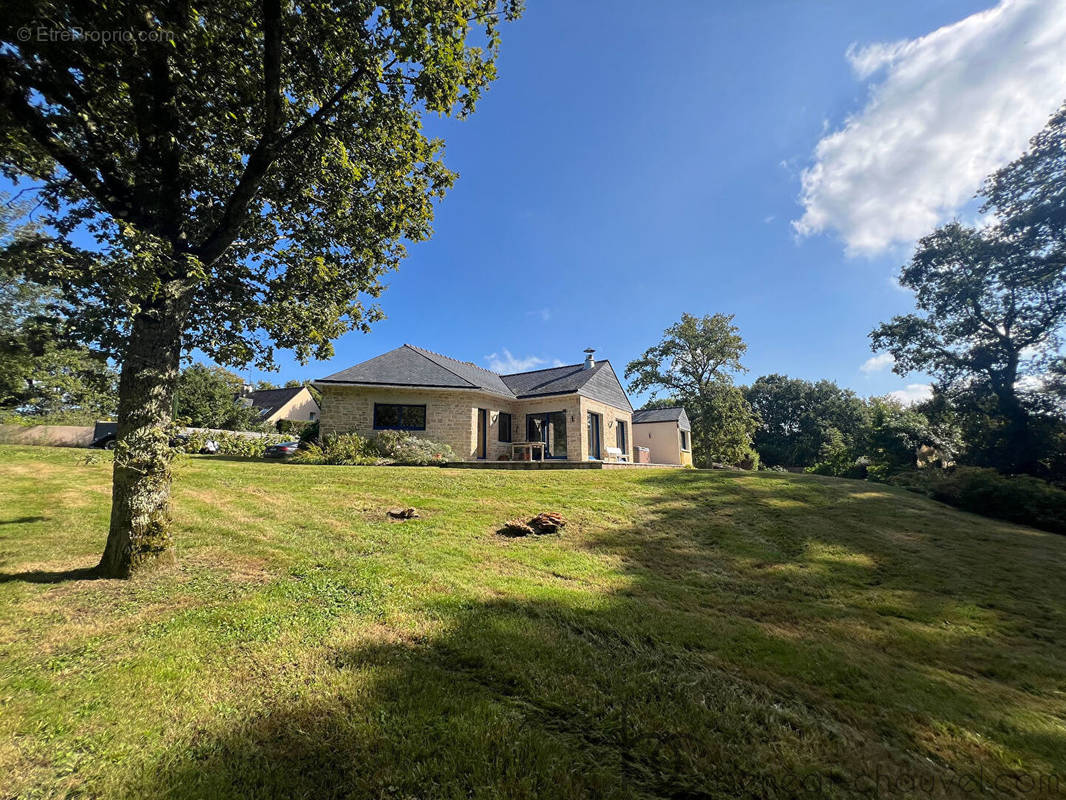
(470, 388)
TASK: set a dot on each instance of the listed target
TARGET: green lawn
(690, 634)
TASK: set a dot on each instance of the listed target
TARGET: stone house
(666, 432)
(577, 411)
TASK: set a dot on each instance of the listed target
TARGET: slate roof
(413, 366)
(271, 401)
(676, 414)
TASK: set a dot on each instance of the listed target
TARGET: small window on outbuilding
(684, 440)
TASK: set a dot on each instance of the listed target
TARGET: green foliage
(296, 427)
(797, 418)
(991, 304)
(310, 432)
(346, 449)
(694, 364)
(231, 443)
(891, 438)
(45, 370)
(1018, 498)
(386, 447)
(722, 427)
(207, 397)
(262, 165)
(401, 447)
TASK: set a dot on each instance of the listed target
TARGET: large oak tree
(694, 364)
(991, 301)
(247, 170)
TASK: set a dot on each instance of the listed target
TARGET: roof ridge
(424, 355)
(531, 371)
(456, 360)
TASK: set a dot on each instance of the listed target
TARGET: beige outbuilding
(666, 432)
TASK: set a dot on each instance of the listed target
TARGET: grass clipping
(542, 523)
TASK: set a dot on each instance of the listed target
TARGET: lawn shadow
(765, 643)
(45, 576)
(22, 520)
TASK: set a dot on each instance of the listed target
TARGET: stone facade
(451, 417)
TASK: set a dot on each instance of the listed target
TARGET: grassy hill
(690, 634)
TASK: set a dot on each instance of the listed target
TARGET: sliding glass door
(594, 426)
(549, 428)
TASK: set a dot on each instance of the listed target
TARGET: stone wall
(50, 435)
(610, 417)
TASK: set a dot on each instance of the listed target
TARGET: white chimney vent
(590, 362)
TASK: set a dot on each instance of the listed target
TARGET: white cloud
(507, 363)
(877, 363)
(545, 314)
(914, 393)
(944, 110)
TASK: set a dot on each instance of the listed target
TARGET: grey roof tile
(676, 414)
(413, 366)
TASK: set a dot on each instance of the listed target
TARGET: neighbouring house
(579, 412)
(666, 432)
(295, 403)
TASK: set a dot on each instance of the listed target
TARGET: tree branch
(265, 152)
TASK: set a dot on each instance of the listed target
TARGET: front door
(482, 432)
(594, 435)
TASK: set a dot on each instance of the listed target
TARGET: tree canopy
(693, 364)
(991, 301)
(208, 397)
(248, 171)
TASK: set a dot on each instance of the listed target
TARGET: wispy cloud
(504, 362)
(914, 393)
(878, 363)
(944, 110)
(544, 314)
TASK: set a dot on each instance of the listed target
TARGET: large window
(392, 416)
(620, 436)
(550, 429)
(505, 427)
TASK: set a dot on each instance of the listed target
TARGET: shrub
(295, 426)
(310, 432)
(233, 444)
(388, 447)
(399, 447)
(338, 448)
(1018, 498)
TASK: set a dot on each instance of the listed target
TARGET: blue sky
(631, 165)
(772, 159)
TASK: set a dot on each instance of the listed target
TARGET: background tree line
(990, 310)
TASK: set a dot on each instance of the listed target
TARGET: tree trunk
(139, 537)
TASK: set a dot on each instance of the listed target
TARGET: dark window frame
(399, 427)
(505, 430)
(621, 436)
(686, 445)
